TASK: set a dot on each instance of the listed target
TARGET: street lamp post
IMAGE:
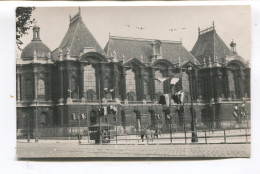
(192, 111)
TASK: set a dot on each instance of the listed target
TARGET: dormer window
(157, 50)
(157, 46)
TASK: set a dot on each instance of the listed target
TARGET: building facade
(127, 80)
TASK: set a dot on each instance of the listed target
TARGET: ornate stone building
(129, 75)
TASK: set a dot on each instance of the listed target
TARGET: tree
(23, 23)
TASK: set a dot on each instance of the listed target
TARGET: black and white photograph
(133, 82)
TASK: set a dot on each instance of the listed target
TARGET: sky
(231, 22)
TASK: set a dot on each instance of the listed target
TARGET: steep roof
(77, 37)
(136, 48)
(209, 44)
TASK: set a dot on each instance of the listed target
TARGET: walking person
(236, 113)
(147, 134)
(243, 110)
(152, 134)
(142, 135)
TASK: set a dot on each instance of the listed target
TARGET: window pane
(89, 78)
(185, 83)
(28, 89)
(130, 81)
(158, 84)
(41, 87)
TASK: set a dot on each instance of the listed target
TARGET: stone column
(115, 81)
(49, 85)
(240, 82)
(169, 86)
(124, 84)
(226, 79)
(61, 84)
(195, 85)
(68, 86)
(211, 86)
(22, 90)
(100, 78)
(18, 76)
(81, 82)
(141, 76)
(247, 80)
(152, 84)
(35, 83)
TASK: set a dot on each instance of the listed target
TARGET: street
(71, 149)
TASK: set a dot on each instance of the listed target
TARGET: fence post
(171, 132)
(246, 135)
(116, 134)
(206, 137)
(185, 137)
(225, 141)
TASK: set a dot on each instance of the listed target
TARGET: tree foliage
(23, 23)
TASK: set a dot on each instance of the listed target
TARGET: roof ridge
(74, 34)
(143, 39)
(94, 38)
(108, 45)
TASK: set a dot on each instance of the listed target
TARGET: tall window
(89, 78)
(74, 88)
(130, 81)
(41, 87)
(158, 83)
(185, 82)
(28, 89)
(232, 84)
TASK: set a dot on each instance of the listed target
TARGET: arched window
(158, 83)
(89, 78)
(130, 81)
(41, 87)
(28, 89)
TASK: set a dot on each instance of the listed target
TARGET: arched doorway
(93, 117)
(43, 120)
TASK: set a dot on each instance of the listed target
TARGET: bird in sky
(172, 29)
(140, 28)
(128, 25)
(183, 28)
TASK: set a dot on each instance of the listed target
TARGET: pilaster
(61, 84)
(115, 81)
(81, 81)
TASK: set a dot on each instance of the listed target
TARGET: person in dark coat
(142, 135)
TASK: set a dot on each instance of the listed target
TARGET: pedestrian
(147, 134)
(79, 138)
(236, 113)
(142, 135)
(152, 134)
(156, 133)
(243, 110)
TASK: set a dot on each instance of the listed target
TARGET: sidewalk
(74, 150)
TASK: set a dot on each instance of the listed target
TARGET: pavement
(72, 149)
